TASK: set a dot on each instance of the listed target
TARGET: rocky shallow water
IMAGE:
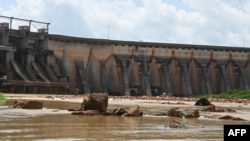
(54, 122)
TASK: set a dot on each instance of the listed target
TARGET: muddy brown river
(55, 123)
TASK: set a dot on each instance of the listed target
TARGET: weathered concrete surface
(45, 63)
(141, 68)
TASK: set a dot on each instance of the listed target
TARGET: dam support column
(243, 77)
(7, 64)
(66, 67)
(43, 40)
(4, 32)
(166, 79)
(205, 81)
(186, 79)
(83, 76)
(25, 31)
(145, 78)
(85, 84)
(241, 59)
(125, 82)
(223, 59)
(225, 78)
(203, 57)
(103, 77)
(4, 40)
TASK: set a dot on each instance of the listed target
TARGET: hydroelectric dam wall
(38, 62)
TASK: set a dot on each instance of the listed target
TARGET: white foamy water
(15, 130)
(9, 112)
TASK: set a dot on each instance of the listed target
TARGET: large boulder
(175, 124)
(127, 111)
(97, 104)
(133, 111)
(28, 105)
(96, 101)
(33, 105)
(118, 111)
(82, 108)
(213, 108)
(210, 108)
(202, 102)
(224, 117)
(18, 104)
(182, 112)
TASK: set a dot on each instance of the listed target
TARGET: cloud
(213, 22)
(226, 23)
(24, 9)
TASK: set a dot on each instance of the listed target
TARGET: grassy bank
(2, 96)
(231, 94)
(2, 99)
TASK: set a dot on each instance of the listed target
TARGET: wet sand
(150, 105)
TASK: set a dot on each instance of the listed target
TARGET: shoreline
(151, 104)
(131, 99)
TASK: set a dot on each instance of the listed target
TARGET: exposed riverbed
(54, 122)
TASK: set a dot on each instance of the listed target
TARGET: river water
(55, 123)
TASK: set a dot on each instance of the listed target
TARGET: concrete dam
(39, 62)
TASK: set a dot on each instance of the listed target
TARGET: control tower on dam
(39, 62)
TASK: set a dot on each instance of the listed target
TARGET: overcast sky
(206, 22)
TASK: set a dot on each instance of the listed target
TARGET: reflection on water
(57, 124)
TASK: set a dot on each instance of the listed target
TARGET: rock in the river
(96, 101)
(175, 124)
(33, 105)
(213, 108)
(202, 102)
(225, 117)
(229, 117)
(96, 104)
(182, 112)
(210, 108)
(118, 111)
(28, 105)
(18, 104)
(128, 111)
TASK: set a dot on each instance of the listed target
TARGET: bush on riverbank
(2, 99)
(2, 96)
(241, 94)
